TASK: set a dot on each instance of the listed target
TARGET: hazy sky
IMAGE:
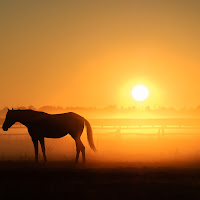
(91, 53)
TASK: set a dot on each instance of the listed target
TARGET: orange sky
(91, 53)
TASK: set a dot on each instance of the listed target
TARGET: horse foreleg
(35, 143)
(43, 148)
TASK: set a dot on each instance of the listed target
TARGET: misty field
(129, 146)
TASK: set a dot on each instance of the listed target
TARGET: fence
(160, 124)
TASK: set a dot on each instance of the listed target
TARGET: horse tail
(89, 135)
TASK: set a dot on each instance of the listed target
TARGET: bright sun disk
(140, 92)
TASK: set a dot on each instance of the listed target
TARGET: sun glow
(140, 92)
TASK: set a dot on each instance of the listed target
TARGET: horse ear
(8, 109)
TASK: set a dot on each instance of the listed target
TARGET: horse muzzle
(4, 128)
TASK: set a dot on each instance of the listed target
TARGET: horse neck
(23, 117)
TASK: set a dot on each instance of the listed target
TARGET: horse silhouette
(43, 125)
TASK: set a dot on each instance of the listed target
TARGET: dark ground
(97, 181)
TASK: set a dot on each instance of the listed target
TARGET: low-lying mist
(126, 147)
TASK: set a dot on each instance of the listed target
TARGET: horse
(42, 125)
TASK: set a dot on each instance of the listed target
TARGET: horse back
(57, 125)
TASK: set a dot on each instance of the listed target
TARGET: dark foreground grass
(58, 180)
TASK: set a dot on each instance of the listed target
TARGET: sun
(140, 92)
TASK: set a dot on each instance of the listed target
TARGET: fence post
(163, 130)
(118, 132)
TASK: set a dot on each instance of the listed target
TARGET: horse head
(10, 120)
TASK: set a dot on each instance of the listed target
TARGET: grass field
(98, 181)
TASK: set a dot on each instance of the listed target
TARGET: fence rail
(117, 125)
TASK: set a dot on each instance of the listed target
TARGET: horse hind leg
(79, 147)
(83, 152)
(77, 154)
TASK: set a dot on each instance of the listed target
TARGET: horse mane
(32, 113)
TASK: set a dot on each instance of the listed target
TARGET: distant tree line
(114, 111)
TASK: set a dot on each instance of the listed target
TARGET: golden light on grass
(140, 92)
